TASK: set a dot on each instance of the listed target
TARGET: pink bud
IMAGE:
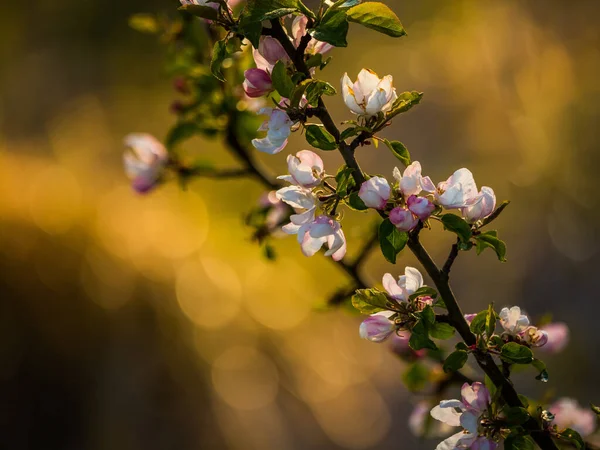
(420, 206)
(376, 328)
(257, 83)
(558, 337)
(268, 53)
(403, 219)
(483, 205)
(475, 396)
(375, 192)
(469, 318)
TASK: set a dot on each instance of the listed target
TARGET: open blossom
(407, 284)
(375, 192)
(420, 206)
(410, 182)
(278, 127)
(483, 205)
(303, 201)
(369, 95)
(323, 230)
(568, 414)
(517, 324)
(314, 46)
(403, 218)
(377, 327)
(144, 161)
(418, 419)
(558, 337)
(257, 82)
(267, 54)
(466, 413)
(306, 169)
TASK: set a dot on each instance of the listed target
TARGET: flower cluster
(516, 326)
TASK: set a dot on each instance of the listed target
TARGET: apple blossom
(568, 414)
(375, 192)
(278, 128)
(410, 182)
(420, 206)
(314, 46)
(306, 169)
(377, 327)
(466, 413)
(403, 218)
(323, 230)
(417, 422)
(369, 95)
(257, 82)
(558, 337)
(407, 284)
(513, 321)
(301, 199)
(458, 191)
(267, 54)
(484, 204)
(144, 161)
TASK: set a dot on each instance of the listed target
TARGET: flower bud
(469, 318)
(377, 327)
(403, 219)
(267, 54)
(475, 396)
(483, 206)
(534, 337)
(257, 83)
(369, 95)
(420, 206)
(375, 192)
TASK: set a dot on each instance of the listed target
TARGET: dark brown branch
(451, 257)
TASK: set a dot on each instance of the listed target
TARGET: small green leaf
(541, 367)
(355, 202)
(319, 137)
(259, 10)
(495, 214)
(573, 438)
(440, 330)
(282, 82)
(490, 321)
(424, 291)
(399, 151)
(455, 361)
(370, 301)
(415, 377)
(316, 89)
(344, 180)
(428, 315)
(298, 92)
(489, 239)
(419, 337)
(349, 132)
(378, 17)
(457, 225)
(404, 102)
(516, 353)
(205, 12)
(391, 240)
(333, 28)
(478, 323)
(518, 442)
(516, 415)
(218, 56)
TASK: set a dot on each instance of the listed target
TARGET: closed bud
(377, 327)
(375, 192)
(420, 206)
(403, 219)
(257, 82)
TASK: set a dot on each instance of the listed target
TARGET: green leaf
(370, 301)
(316, 89)
(251, 29)
(181, 132)
(219, 54)
(489, 239)
(378, 17)
(424, 291)
(457, 225)
(516, 353)
(259, 10)
(399, 151)
(333, 28)
(319, 137)
(572, 437)
(455, 361)
(517, 442)
(391, 240)
(428, 315)
(478, 323)
(298, 92)
(355, 202)
(419, 337)
(349, 132)
(495, 214)
(440, 330)
(541, 367)
(490, 321)
(282, 82)
(516, 415)
(344, 180)
(415, 377)
(205, 12)
(404, 102)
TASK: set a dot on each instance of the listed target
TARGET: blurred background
(152, 322)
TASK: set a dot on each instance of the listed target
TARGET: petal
(450, 443)
(349, 96)
(368, 81)
(446, 412)
(391, 286)
(311, 245)
(375, 103)
(470, 420)
(414, 280)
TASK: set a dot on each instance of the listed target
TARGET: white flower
(568, 414)
(144, 161)
(465, 413)
(407, 284)
(482, 206)
(513, 321)
(410, 182)
(301, 199)
(458, 191)
(278, 128)
(418, 420)
(375, 192)
(323, 230)
(306, 169)
(370, 94)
